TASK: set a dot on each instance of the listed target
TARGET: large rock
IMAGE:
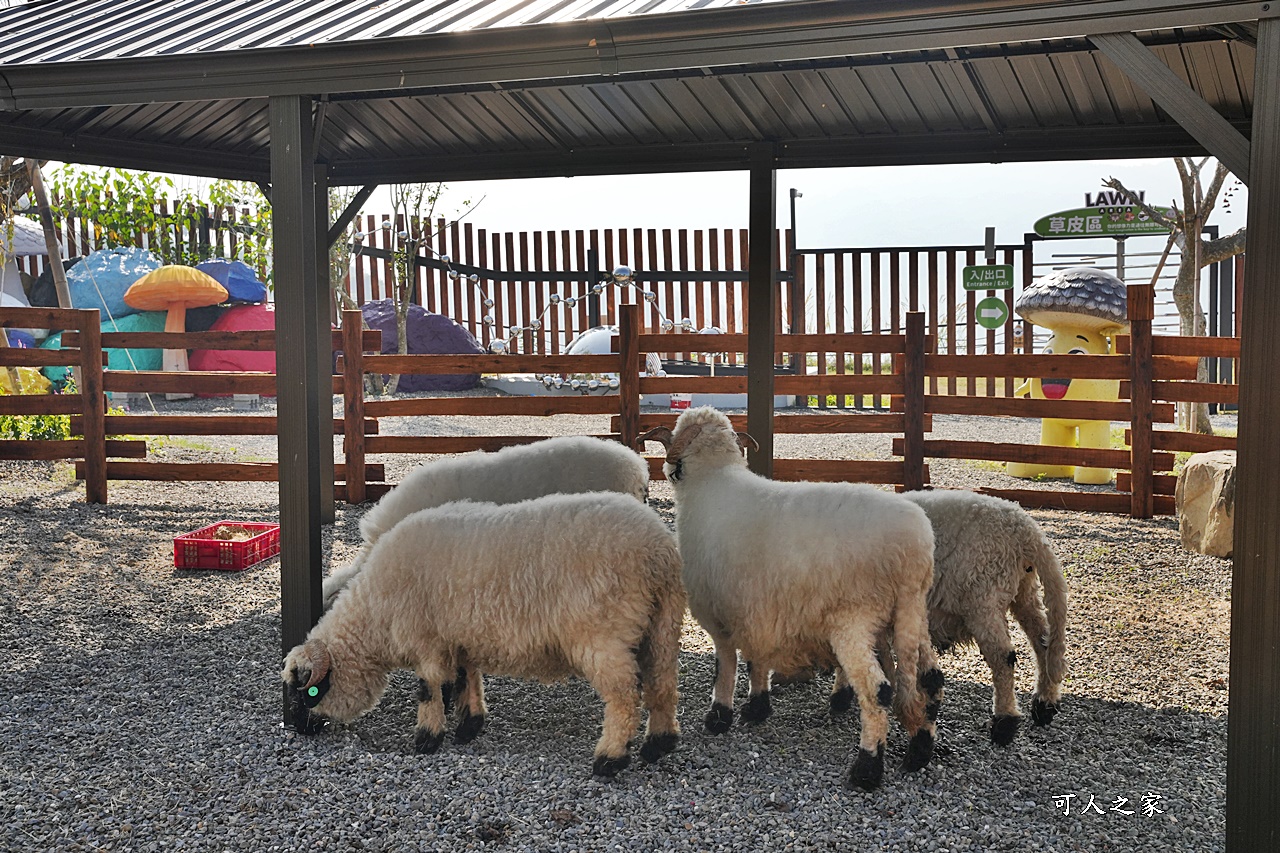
(238, 318)
(1206, 501)
(427, 333)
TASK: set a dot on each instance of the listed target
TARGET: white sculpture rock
(1206, 498)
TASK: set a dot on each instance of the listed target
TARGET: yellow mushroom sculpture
(1083, 308)
(174, 288)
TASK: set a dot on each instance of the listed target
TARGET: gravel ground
(140, 706)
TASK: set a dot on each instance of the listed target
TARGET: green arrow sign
(989, 277)
(991, 312)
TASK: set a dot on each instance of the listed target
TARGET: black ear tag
(312, 695)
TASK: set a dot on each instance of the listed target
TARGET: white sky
(906, 205)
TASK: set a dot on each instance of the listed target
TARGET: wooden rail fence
(1155, 372)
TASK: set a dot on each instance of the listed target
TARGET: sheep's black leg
(757, 708)
(430, 731)
(469, 687)
(720, 717)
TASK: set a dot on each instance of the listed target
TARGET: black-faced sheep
(801, 574)
(988, 555)
(561, 465)
(585, 585)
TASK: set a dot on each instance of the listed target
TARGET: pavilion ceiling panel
(865, 114)
(763, 113)
(825, 106)
(893, 101)
(649, 108)
(935, 107)
(652, 126)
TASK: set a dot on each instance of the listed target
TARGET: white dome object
(594, 341)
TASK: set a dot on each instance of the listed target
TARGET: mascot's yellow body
(1082, 308)
(1061, 432)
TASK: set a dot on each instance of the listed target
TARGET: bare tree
(1187, 224)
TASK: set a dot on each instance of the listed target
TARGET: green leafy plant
(35, 427)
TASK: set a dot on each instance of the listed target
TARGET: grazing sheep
(585, 585)
(988, 554)
(566, 465)
(800, 574)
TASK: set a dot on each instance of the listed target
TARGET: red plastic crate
(199, 550)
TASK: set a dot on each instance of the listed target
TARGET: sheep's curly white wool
(564, 464)
(799, 574)
(989, 555)
(504, 590)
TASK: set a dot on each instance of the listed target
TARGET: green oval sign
(1122, 221)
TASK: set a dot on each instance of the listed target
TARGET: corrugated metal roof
(1052, 98)
(80, 30)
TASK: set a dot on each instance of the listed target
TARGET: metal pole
(298, 318)
(762, 300)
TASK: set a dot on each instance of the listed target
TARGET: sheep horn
(660, 434)
(320, 662)
(745, 439)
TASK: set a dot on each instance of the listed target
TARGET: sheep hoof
(933, 681)
(469, 727)
(841, 701)
(426, 742)
(656, 746)
(719, 719)
(609, 767)
(1042, 712)
(757, 709)
(919, 751)
(1003, 729)
(867, 770)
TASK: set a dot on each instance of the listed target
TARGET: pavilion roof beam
(1178, 99)
(697, 39)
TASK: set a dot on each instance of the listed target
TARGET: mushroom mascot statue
(1083, 309)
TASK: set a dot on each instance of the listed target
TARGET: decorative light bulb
(613, 383)
(667, 325)
(575, 384)
(488, 303)
(359, 235)
(403, 235)
(453, 274)
(593, 384)
(497, 347)
(649, 296)
(444, 259)
(597, 288)
(686, 324)
(488, 319)
(555, 299)
(622, 274)
(473, 278)
(535, 325)
(515, 332)
(386, 225)
(570, 301)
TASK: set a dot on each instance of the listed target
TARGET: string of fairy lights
(622, 277)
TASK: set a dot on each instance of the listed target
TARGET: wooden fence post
(1141, 313)
(353, 405)
(95, 408)
(913, 380)
(629, 378)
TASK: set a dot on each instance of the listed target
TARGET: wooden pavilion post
(629, 378)
(299, 397)
(1253, 733)
(1141, 309)
(762, 302)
